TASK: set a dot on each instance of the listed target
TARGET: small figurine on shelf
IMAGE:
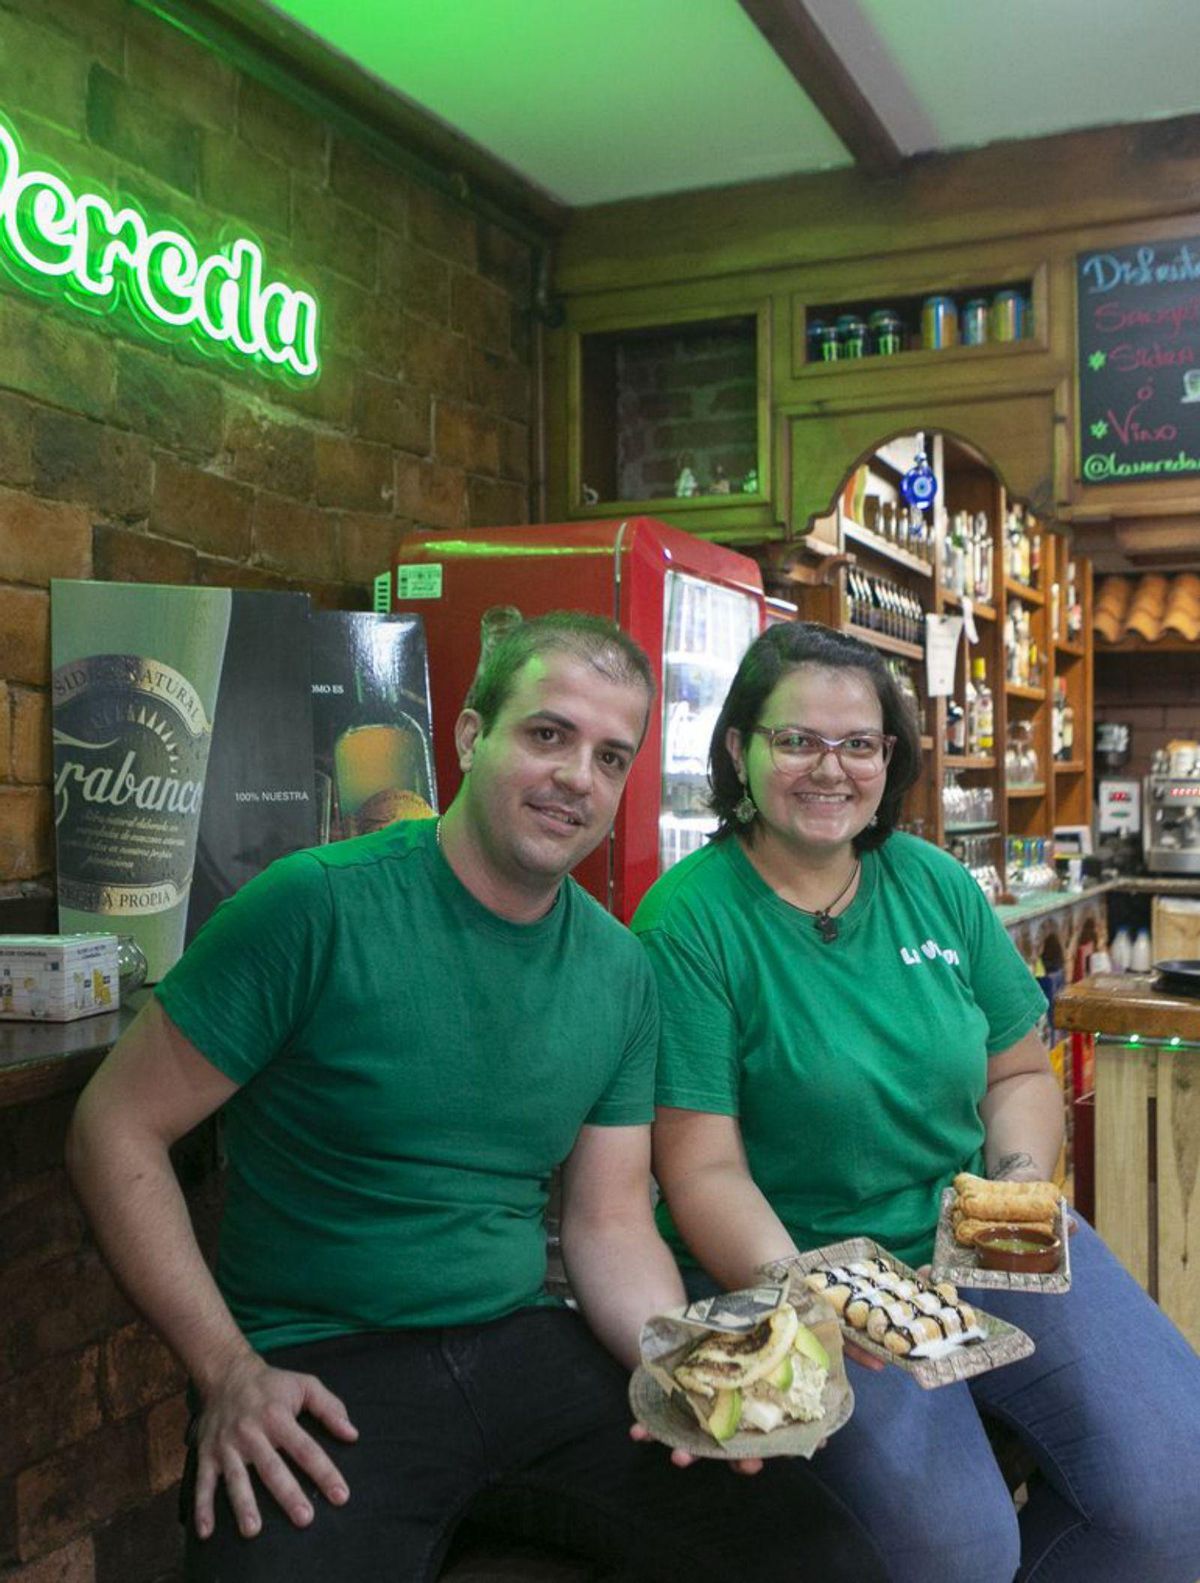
(591, 497)
(721, 484)
(750, 482)
(686, 482)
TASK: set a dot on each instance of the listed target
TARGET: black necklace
(826, 926)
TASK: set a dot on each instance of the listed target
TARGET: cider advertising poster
(182, 731)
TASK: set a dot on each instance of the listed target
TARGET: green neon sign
(52, 238)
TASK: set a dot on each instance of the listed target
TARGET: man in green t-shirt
(408, 1033)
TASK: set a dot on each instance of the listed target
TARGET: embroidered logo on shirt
(929, 949)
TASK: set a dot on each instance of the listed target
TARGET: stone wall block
(39, 1218)
(505, 259)
(143, 130)
(52, 358)
(353, 474)
(499, 383)
(415, 278)
(26, 839)
(429, 494)
(16, 437)
(138, 1370)
(366, 545)
(277, 126)
(41, 539)
(334, 235)
(73, 1563)
(466, 437)
(298, 540)
(514, 450)
(201, 508)
(48, 1407)
(493, 503)
(254, 188)
(81, 1485)
(43, 70)
(435, 359)
(270, 453)
(481, 311)
(31, 756)
(6, 774)
(59, 1307)
(104, 468)
(369, 184)
(442, 224)
(25, 635)
(121, 555)
(395, 414)
(180, 408)
(198, 83)
(166, 1425)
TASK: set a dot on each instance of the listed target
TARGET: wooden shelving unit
(1062, 793)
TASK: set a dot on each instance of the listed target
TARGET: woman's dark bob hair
(783, 648)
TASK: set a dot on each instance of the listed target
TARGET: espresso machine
(1171, 812)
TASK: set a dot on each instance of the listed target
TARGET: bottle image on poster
(374, 762)
(136, 668)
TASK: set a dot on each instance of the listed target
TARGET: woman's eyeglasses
(795, 750)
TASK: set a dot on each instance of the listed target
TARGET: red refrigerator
(694, 607)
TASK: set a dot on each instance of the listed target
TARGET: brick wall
(91, 1403)
(125, 457)
(128, 457)
(1158, 695)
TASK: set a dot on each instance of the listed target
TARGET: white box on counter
(57, 977)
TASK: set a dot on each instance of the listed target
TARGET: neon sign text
(102, 255)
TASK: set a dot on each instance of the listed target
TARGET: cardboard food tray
(1002, 1343)
(953, 1262)
(665, 1412)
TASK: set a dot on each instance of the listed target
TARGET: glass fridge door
(708, 628)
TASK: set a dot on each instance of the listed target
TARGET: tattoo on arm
(1010, 1163)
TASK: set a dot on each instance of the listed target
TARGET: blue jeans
(1109, 1404)
(532, 1413)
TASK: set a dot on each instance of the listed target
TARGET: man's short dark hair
(595, 640)
(776, 652)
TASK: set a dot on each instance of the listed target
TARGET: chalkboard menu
(1139, 362)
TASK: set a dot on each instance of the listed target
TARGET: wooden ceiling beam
(800, 44)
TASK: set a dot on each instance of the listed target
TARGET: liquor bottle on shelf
(985, 711)
(1068, 725)
(972, 714)
(1056, 721)
(1056, 629)
(956, 728)
(1074, 605)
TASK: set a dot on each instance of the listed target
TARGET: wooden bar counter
(1147, 1131)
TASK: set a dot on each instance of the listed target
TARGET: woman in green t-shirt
(846, 1026)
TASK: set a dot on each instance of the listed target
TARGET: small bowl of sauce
(1021, 1250)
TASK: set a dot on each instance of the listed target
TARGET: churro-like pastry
(966, 1230)
(1007, 1203)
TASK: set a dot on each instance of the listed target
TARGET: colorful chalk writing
(1138, 363)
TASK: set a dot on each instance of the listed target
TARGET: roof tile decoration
(1150, 607)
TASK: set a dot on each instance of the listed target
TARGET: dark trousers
(531, 1411)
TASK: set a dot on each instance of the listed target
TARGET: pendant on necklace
(825, 926)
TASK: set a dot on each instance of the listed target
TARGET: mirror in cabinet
(672, 411)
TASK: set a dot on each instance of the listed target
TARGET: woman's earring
(744, 810)
(873, 821)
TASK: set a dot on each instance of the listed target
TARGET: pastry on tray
(901, 1312)
(979, 1204)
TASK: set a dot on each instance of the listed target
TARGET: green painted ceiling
(594, 100)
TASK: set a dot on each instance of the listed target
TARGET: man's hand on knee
(251, 1420)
